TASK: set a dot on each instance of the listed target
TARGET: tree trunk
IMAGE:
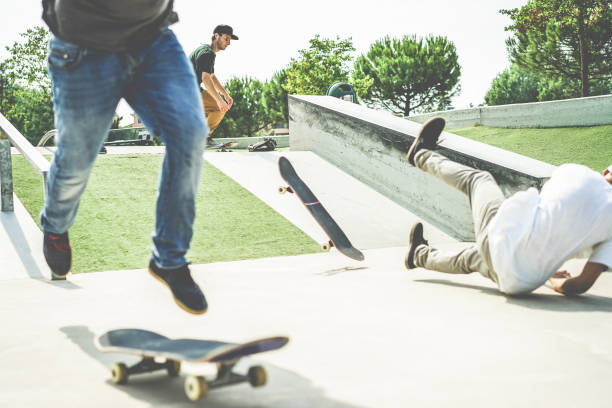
(584, 58)
(407, 107)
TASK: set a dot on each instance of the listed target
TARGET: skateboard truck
(196, 386)
(120, 372)
(327, 246)
(283, 190)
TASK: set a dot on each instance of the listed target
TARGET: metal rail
(6, 176)
(33, 156)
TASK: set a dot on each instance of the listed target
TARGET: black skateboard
(222, 147)
(153, 347)
(337, 238)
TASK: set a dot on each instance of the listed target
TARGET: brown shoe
(416, 239)
(427, 137)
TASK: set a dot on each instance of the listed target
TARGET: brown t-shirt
(108, 25)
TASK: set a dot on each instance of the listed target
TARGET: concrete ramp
(369, 219)
(363, 334)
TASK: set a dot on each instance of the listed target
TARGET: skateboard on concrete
(161, 353)
(336, 236)
(222, 147)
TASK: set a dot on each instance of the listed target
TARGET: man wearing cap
(203, 60)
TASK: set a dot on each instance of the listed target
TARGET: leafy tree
(514, 85)
(552, 89)
(409, 74)
(567, 40)
(248, 114)
(25, 86)
(318, 67)
(275, 99)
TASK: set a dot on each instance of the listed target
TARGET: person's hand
(557, 279)
(223, 106)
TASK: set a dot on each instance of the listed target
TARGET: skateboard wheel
(119, 373)
(282, 190)
(326, 247)
(173, 368)
(257, 376)
(196, 387)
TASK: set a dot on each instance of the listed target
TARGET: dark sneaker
(427, 137)
(58, 254)
(416, 239)
(103, 150)
(186, 292)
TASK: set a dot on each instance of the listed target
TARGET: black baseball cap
(225, 29)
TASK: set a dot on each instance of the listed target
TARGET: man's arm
(209, 82)
(562, 281)
(221, 89)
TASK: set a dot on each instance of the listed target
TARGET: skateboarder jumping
(102, 51)
(522, 241)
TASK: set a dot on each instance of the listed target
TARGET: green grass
(590, 146)
(116, 216)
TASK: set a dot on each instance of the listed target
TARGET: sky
(272, 32)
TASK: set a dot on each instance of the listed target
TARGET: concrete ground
(363, 334)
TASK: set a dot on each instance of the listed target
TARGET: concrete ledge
(591, 111)
(371, 146)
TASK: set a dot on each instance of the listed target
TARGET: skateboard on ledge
(158, 352)
(222, 147)
(336, 236)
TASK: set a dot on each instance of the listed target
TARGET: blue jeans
(159, 84)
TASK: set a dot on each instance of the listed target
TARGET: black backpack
(266, 145)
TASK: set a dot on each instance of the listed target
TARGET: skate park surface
(363, 334)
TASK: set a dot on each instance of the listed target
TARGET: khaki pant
(485, 198)
(212, 112)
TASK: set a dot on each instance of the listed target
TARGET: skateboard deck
(222, 147)
(336, 236)
(152, 347)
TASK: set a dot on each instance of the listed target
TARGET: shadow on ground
(20, 244)
(285, 388)
(553, 302)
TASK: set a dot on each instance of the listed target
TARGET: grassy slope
(590, 146)
(116, 216)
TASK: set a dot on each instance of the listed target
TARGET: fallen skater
(523, 240)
